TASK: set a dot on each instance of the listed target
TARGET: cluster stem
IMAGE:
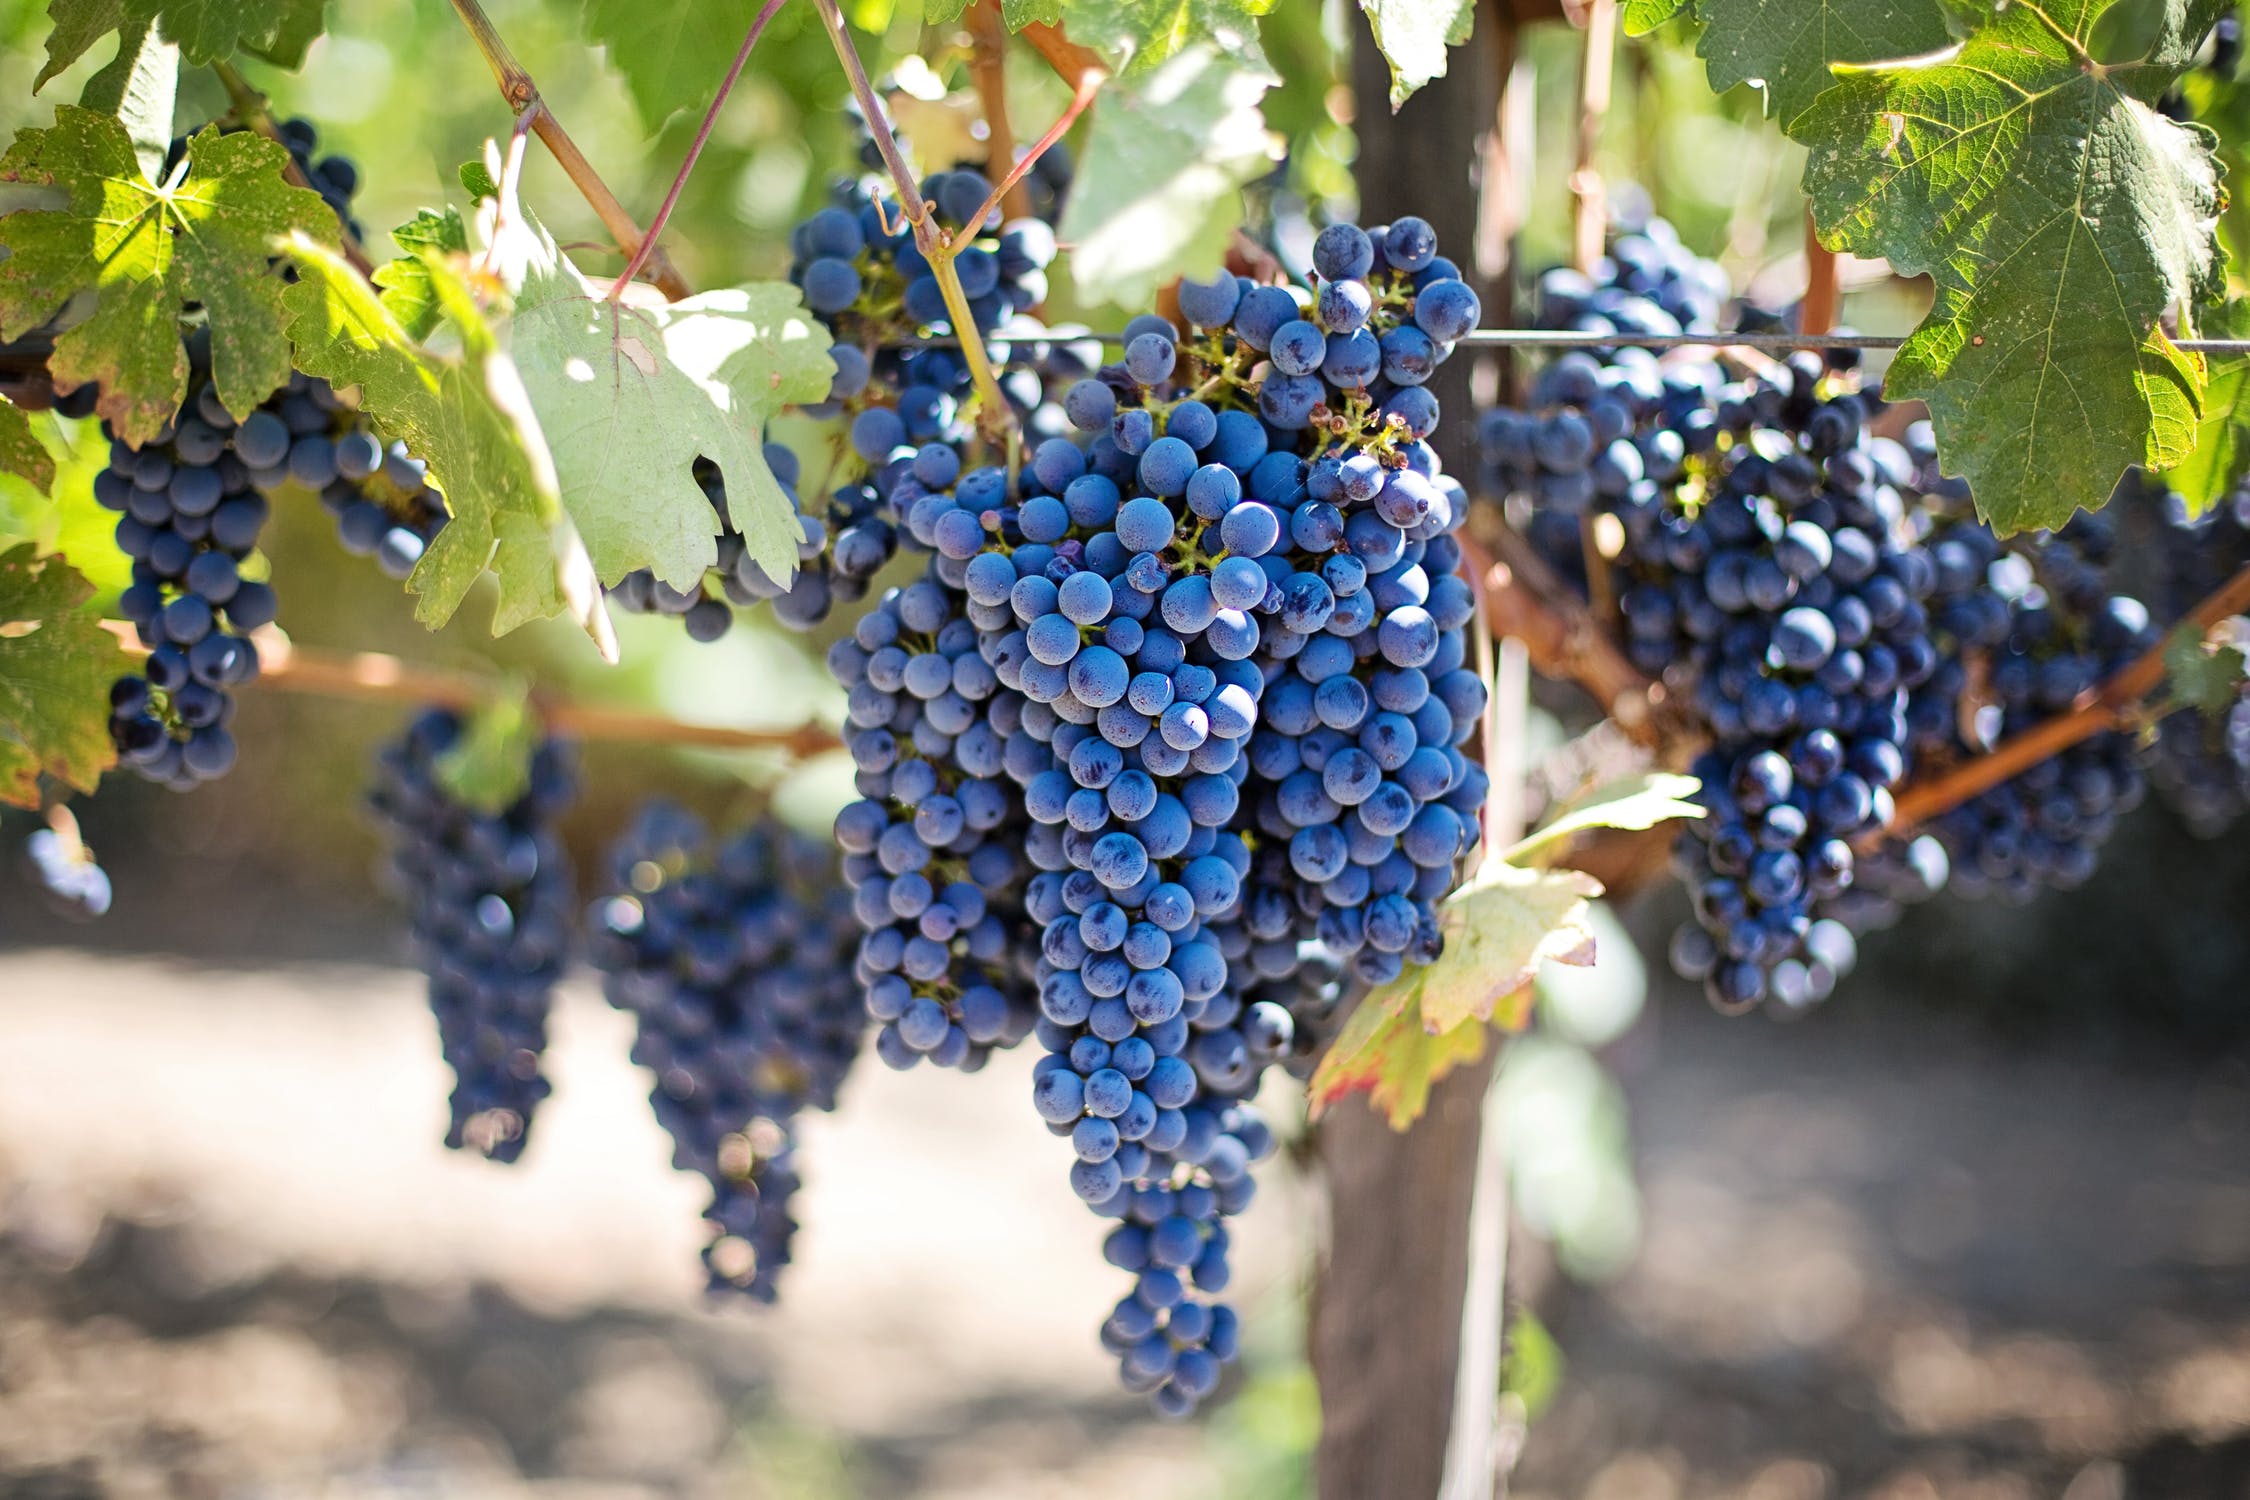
(2116, 704)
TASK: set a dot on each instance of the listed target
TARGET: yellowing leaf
(1635, 803)
(56, 666)
(1393, 1059)
(1498, 931)
(146, 251)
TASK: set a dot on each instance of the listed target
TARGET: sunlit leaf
(56, 667)
(2060, 214)
(147, 251)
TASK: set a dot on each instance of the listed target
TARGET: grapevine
(1162, 659)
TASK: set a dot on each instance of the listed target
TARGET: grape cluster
(1647, 282)
(192, 504)
(2201, 763)
(933, 848)
(490, 901)
(1243, 522)
(734, 960)
(382, 500)
(2067, 631)
(857, 262)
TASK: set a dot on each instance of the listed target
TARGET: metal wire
(1544, 338)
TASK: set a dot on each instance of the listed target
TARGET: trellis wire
(1544, 338)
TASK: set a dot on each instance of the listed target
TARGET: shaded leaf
(139, 87)
(77, 25)
(146, 251)
(302, 23)
(2199, 673)
(1789, 46)
(2059, 215)
(203, 30)
(463, 417)
(1171, 151)
(1390, 1056)
(56, 666)
(488, 766)
(21, 453)
(671, 53)
(1413, 36)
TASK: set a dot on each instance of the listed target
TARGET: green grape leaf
(629, 394)
(671, 53)
(1017, 14)
(146, 251)
(1633, 804)
(56, 665)
(203, 30)
(302, 23)
(466, 417)
(1413, 35)
(1138, 35)
(1171, 150)
(1391, 1057)
(2222, 438)
(21, 452)
(140, 86)
(409, 290)
(78, 24)
(62, 516)
(2059, 214)
(2209, 676)
(489, 766)
(1641, 17)
(1790, 46)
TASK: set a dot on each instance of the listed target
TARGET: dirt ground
(1883, 1257)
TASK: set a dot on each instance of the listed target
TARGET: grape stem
(522, 94)
(1823, 292)
(372, 677)
(988, 66)
(1089, 83)
(1526, 602)
(2114, 705)
(250, 108)
(647, 246)
(994, 418)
